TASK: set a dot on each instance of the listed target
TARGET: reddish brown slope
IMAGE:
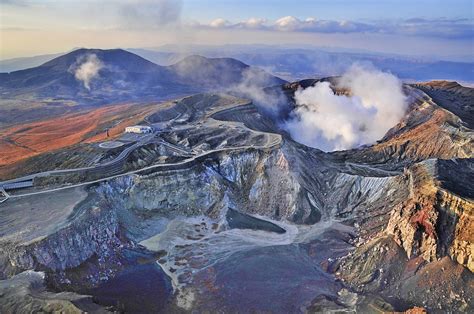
(20, 142)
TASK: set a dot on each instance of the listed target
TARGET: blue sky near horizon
(434, 28)
(328, 9)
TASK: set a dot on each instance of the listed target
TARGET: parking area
(111, 144)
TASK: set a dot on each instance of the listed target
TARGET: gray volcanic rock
(385, 227)
(453, 97)
(427, 131)
(26, 293)
(214, 185)
(93, 233)
(434, 222)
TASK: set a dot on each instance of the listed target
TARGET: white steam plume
(87, 68)
(252, 87)
(328, 121)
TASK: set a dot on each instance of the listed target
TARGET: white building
(138, 129)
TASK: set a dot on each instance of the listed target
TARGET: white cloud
(219, 23)
(254, 23)
(293, 24)
(288, 23)
(444, 28)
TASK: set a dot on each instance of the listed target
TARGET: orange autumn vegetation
(23, 141)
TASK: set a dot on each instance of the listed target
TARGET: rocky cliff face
(25, 293)
(427, 131)
(408, 197)
(433, 222)
(256, 182)
(94, 235)
(429, 230)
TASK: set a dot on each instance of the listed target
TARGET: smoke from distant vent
(86, 69)
(331, 122)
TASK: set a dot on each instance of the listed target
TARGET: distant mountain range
(293, 63)
(16, 64)
(299, 63)
(95, 76)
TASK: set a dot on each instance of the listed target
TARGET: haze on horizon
(436, 29)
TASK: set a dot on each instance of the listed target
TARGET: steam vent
(298, 159)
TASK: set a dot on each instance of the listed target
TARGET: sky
(434, 28)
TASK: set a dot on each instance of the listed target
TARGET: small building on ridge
(141, 129)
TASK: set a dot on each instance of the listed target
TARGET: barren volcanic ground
(21, 142)
(221, 211)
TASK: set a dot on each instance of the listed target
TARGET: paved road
(374, 170)
(175, 148)
(272, 140)
(121, 157)
(5, 195)
(180, 163)
(124, 154)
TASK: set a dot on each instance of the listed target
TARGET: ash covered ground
(221, 210)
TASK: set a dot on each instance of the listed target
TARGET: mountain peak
(100, 76)
(197, 60)
(442, 84)
(222, 71)
(119, 58)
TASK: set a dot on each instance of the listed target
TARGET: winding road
(272, 141)
(157, 166)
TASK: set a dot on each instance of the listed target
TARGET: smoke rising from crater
(251, 87)
(328, 121)
(86, 69)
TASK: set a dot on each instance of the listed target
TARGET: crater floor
(221, 210)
